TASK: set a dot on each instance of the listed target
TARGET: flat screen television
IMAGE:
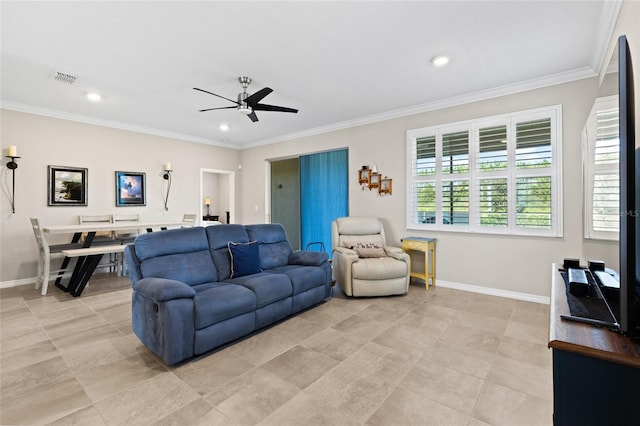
(629, 308)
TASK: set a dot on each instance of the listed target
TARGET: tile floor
(442, 357)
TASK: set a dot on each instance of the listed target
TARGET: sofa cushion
(171, 241)
(379, 269)
(245, 258)
(302, 278)
(222, 260)
(274, 247)
(358, 225)
(217, 302)
(219, 236)
(190, 268)
(267, 287)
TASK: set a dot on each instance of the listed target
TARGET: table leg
(433, 264)
(85, 266)
(89, 265)
(65, 261)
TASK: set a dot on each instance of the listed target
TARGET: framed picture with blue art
(130, 189)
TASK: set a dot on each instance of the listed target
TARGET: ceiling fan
(249, 104)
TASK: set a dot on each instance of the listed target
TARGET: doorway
(307, 194)
(219, 186)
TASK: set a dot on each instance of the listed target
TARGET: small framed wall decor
(67, 186)
(374, 181)
(364, 174)
(385, 186)
(131, 189)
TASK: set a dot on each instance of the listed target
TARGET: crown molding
(482, 95)
(523, 86)
(48, 112)
(609, 19)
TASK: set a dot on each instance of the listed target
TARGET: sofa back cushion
(274, 247)
(219, 237)
(177, 254)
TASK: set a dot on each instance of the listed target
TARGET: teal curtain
(324, 195)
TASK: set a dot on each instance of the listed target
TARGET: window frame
(590, 169)
(512, 173)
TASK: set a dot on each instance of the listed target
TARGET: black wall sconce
(12, 165)
(167, 176)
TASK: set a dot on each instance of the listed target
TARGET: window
(491, 175)
(602, 179)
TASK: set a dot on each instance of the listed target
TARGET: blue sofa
(190, 295)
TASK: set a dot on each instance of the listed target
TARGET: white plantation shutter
(422, 194)
(534, 161)
(602, 179)
(493, 203)
(492, 193)
(491, 175)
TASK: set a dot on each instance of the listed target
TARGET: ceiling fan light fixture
(440, 60)
(94, 97)
(245, 109)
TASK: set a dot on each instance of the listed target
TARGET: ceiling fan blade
(211, 109)
(253, 117)
(258, 96)
(230, 100)
(265, 107)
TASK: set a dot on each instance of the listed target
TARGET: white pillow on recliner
(365, 245)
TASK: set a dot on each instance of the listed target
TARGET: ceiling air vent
(65, 78)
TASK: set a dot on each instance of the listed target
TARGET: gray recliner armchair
(363, 265)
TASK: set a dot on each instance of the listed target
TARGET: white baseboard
(495, 292)
(16, 283)
(24, 281)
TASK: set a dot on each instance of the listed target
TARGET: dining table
(88, 256)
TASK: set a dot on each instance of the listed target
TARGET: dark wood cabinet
(596, 371)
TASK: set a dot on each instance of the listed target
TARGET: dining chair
(190, 218)
(125, 237)
(101, 237)
(46, 253)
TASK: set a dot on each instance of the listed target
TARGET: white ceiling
(340, 63)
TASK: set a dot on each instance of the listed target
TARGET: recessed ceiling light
(95, 97)
(440, 61)
(224, 127)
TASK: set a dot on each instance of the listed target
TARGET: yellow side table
(427, 246)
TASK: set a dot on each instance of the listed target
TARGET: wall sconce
(207, 202)
(167, 176)
(12, 165)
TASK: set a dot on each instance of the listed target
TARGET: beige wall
(44, 141)
(512, 264)
(515, 264)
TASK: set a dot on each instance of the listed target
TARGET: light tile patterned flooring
(442, 357)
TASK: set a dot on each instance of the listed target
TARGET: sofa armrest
(343, 259)
(308, 258)
(162, 289)
(398, 254)
(344, 251)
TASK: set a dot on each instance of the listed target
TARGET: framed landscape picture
(130, 189)
(67, 186)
